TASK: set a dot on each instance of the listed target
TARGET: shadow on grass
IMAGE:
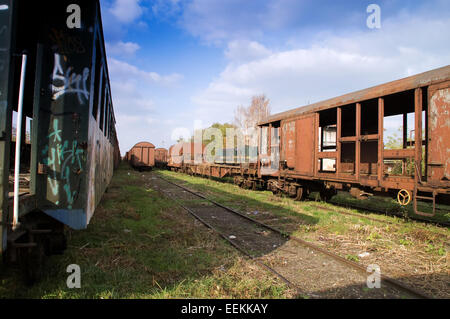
(391, 207)
(378, 204)
(141, 245)
(251, 203)
(438, 289)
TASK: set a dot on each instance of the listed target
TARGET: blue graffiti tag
(60, 155)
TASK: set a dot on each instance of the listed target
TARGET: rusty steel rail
(190, 211)
(355, 265)
(386, 213)
(425, 221)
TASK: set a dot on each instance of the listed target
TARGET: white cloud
(121, 48)
(329, 67)
(121, 70)
(242, 51)
(218, 20)
(137, 102)
(126, 11)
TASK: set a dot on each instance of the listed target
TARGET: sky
(176, 65)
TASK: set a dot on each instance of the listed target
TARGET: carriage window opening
(110, 121)
(327, 137)
(264, 145)
(25, 152)
(275, 147)
(109, 124)
(106, 114)
(369, 117)
(348, 120)
(347, 158)
(398, 132)
(368, 157)
(97, 80)
(112, 126)
(399, 120)
(397, 167)
(327, 165)
(102, 103)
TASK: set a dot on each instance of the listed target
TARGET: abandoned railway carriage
(142, 156)
(186, 157)
(55, 81)
(339, 144)
(161, 157)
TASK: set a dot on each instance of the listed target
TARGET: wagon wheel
(300, 194)
(403, 197)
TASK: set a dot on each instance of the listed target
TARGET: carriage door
(439, 133)
(305, 128)
(144, 155)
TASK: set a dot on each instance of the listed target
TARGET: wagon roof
(408, 83)
(144, 144)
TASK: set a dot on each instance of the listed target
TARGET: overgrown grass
(390, 205)
(141, 245)
(410, 250)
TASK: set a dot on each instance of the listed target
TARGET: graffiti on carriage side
(63, 158)
(67, 44)
(67, 81)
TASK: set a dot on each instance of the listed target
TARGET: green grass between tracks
(141, 245)
(393, 242)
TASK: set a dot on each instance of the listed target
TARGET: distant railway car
(175, 160)
(184, 154)
(55, 76)
(161, 157)
(142, 156)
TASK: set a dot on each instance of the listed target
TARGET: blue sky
(176, 64)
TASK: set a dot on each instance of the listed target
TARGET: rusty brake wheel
(404, 197)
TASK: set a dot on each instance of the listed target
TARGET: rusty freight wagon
(184, 155)
(347, 143)
(142, 156)
(55, 80)
(161, 157)
(341, 144)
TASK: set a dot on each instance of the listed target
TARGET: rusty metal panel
(305, 142)
(143, 155)
(439, 133)
(161, 155)
(289, 143)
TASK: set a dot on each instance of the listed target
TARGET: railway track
(386, 213)
(372, 210)
(375, 211)
(256, 239)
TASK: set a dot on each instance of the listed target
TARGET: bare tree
(248, 117)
